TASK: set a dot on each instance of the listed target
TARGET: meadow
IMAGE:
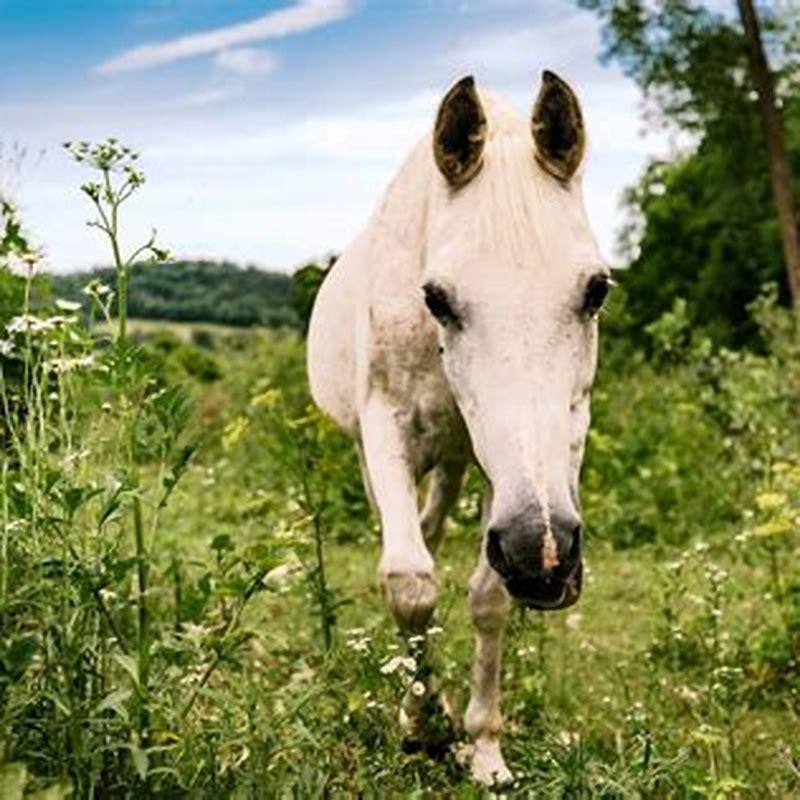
(188, 599)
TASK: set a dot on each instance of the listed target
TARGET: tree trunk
(782, 189)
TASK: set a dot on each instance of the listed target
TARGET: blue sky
(268, 128)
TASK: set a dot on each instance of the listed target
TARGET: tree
(306, 283)
(702, 226)
(782, 188)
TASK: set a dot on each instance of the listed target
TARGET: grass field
(670, 678)
(188, 599)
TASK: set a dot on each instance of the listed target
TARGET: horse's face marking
(514, 280)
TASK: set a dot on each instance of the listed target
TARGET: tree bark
(782, 188)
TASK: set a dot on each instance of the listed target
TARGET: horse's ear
(460, 133)
(557, 126)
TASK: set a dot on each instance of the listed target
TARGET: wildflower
(687, 694)
(26, 322)
(234, 431)
(358, 641)
(435, 630)
(399, 662)
(67, 305)
(769, 500)
(568, 738)
(96, 288)
(62, 365)
(573, 620)
(463, 752)
(6, 348)
(418, 689)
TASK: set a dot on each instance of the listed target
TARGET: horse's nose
(537, 559)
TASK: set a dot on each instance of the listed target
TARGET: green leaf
(129, 665)
(140, 760)
(115, 701)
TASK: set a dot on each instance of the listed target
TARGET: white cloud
(245, 61)
(201, 99)
(561, 44)
(303, 15)
(380, 133)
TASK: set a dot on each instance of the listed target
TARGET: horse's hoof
(488, 766)
(427, 725)
(412, 598)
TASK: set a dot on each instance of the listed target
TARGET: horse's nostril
(495, 554)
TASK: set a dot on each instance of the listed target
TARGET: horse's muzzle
(518, 554)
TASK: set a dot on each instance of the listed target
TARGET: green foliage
(188, 605)
(717, 203)
(305, 285)
(670, 430)
(197, 291)
(16, 253)
(107, 641)
(702, 227)
(690, 61)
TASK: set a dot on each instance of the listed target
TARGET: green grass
(188, 601)
(620, 696)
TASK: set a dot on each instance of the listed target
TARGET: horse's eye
(596, 292)
(439, 305)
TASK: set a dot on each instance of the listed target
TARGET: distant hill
(197, 291)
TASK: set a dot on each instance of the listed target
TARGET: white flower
(6, 348)
(67, 305)
(435, 630)
(574, 620)
(687, 694)
(29, 323)
(97, 289)
(399, 662)
(25, 322)
(70, 364)
(358, 643)
(418, 688)
(567, 738)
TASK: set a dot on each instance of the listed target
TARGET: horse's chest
(412, 380)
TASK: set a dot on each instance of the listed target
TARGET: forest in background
(196, 291)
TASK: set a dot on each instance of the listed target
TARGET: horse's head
(514, 279)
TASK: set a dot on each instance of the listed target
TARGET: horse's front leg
(406, 566)
(489, 606)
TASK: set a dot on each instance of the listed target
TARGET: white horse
(462, 324)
